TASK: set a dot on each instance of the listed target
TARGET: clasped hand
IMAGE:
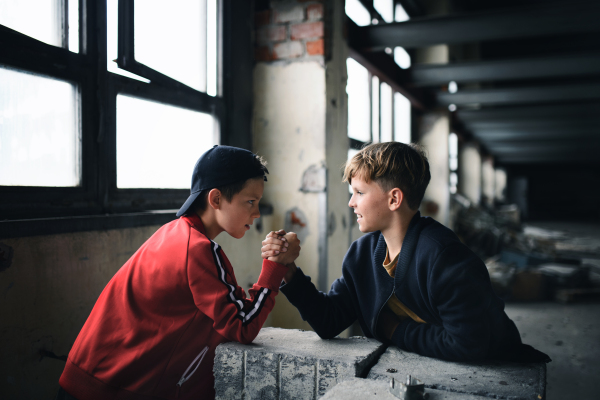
(283, 248)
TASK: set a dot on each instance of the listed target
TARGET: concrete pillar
(469, 177)
(488, 178)
(500, 185)
(434, 131)
(300, 114)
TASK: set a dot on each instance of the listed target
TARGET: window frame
(98, 90)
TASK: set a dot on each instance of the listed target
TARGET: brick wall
(289, 30)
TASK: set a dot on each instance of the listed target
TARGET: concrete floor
(570, 335)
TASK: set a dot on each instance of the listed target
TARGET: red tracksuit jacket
(154, 329)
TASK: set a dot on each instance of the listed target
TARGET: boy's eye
(251, 201)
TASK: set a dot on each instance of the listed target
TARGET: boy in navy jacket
(410, 281)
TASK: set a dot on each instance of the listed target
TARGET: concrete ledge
(290, 364)
(499, 380)
(360, 389)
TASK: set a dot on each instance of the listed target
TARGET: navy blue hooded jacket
(437, 277)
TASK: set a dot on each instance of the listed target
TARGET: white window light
(358, 13)
(385, 8)
(401, 57)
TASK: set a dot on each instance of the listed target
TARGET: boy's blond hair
(392, 165)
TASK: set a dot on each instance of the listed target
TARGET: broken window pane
(159, 144)
(40, 138)
(359, 102)
(112, 41)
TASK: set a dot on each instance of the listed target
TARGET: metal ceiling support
(531, 113)
(534, 68)
(538, 20)
(540, 94)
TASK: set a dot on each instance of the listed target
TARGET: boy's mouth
(247, 226)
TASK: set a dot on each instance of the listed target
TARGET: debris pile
(528, 263)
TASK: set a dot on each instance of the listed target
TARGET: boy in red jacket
(152, 333)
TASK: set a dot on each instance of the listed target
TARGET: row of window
(41, 114)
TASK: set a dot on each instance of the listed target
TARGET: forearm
(328, 314)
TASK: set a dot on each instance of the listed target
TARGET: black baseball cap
(220, 166)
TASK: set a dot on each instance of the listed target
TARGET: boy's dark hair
(230, 190)
(392, 165)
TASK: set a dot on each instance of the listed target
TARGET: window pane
(401, 57)
(211, 47)
(39, 19)
(74, 25)
(385, 8)
(112, 41)
(39, 131)
(172, 38)
(401, 14)
(358, 101)
(358, 13)
(375, 109)
(158, 144)
(401, 118)
(386, 113)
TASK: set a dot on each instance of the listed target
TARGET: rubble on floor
(529, 262)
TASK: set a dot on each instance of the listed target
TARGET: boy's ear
(396, 197)
(215, 198)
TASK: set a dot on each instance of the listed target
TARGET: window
(357, 12)
(55, 22)
(81, 135)
(376, 112)
(39, 137)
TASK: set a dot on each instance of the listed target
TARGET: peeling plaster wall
(434, 132)
(289, 131)
(45, 297)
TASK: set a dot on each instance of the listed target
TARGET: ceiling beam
(548, 112)
(523, 95)
(539, 20)
(534, 68)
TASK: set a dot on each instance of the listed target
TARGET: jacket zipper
(197, 361)
(375, 333)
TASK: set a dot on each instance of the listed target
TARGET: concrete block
(490, 378)
(360, 389)
(290, 364)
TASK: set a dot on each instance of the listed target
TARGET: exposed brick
(287, 50)
(307, 30)
(288, 12)
(314, 12)
(262, 53)
(262, 18)
(315, 48)
(268, 34)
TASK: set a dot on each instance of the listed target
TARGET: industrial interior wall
(289, 132)
(469, 177)
(300, 127)
(434, 131)
(45, 297)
